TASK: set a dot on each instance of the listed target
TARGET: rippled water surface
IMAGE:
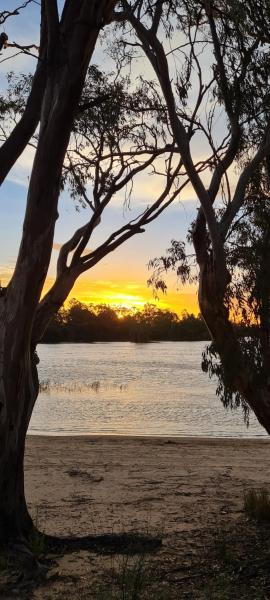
(131, 389)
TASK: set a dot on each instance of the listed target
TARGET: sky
(121, 277)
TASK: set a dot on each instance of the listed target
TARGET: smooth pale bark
(68, 56)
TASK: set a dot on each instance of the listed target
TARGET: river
(131, 389)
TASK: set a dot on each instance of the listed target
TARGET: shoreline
(166, 438)
(188, 341)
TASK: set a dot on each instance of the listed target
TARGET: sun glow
(126, 295)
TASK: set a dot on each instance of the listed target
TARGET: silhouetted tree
(65, 49)
(98, 323)
(231, 79)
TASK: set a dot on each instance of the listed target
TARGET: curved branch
(156, 54)
(26, 127)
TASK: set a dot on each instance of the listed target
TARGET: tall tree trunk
(18, 392)
(215, 313)
(15, 521)
(70, 47)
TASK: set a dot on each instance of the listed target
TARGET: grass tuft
(131, 578)
(257, 504)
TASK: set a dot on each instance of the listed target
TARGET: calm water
(132, 389)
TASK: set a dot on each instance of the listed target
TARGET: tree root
(20, 567)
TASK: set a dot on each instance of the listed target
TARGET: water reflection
(131, 389)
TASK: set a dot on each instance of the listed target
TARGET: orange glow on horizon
(130, 294)
(127, 294)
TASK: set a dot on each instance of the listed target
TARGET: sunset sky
(120, 278)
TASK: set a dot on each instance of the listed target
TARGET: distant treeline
(101, 323)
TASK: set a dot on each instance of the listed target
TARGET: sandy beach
(179, 489)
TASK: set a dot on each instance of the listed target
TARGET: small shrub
(257, 504)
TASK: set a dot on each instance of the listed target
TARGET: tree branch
(53, 29)
(25, 128)
(155, 52)
(6, 14)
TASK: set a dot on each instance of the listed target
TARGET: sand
(176, 488)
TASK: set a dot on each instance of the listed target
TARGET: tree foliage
(101, 323)
(211, 61)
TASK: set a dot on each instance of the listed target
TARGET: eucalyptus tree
(211, 62)
(92, 135)
(65, 49)
(248, 294)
